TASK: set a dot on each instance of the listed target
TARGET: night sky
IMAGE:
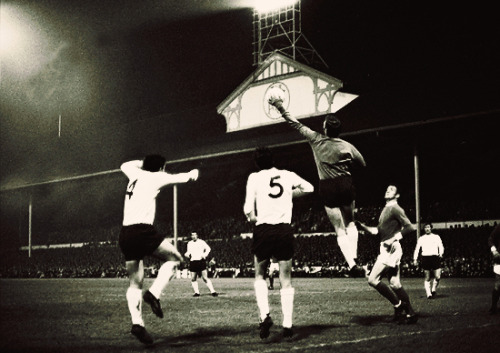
(110, 67)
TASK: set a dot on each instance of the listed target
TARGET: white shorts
(496, 269)
(274, 267)
(388, 259)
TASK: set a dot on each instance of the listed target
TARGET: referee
(432, 253)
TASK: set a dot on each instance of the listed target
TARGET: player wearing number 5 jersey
(268, 204)
(138, 236)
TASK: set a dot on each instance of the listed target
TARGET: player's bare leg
(135, 270)
(351, 229)
(168, 253)
(395, 284)
(336, 217)
(208, 282)
(262, 297)
(287, 294)
(375, 281)
(194, 284)
(271, 280)
(435, 282)
(427, 284)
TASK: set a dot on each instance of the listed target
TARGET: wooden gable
(307, 93)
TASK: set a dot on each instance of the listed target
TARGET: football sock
(134, 301)
(210, 286)
(401, 293)
(287, 295)
(435, 284)
(271, 281)
(353, 235)
(345, 247)
(427, 286)
(261, 295)
(194, 284)
(387, 292)
(165, 274)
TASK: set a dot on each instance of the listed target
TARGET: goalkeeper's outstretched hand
(277, 102)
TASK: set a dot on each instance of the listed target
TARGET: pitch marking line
(374, 338)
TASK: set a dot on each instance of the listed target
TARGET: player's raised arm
(179, 178)
(278, 104)
(131, 168)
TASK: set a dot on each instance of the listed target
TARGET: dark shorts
(273, 240)
(197, 265)
(430, 263)
(337, 192)
(139, 240)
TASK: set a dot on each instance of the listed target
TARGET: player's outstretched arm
(278, 104)
(194, 175)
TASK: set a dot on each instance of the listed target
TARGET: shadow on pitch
(373, 320)
(300, 333)
(201, 336)
(212, 335)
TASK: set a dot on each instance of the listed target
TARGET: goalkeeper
(335, 160)
(494, 244)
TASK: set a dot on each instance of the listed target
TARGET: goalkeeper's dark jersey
(334, 157)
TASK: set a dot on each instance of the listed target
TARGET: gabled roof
(292, 67)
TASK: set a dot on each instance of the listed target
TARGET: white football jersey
(269, 194)
(430, 244)
(142, 189)
(197, 250)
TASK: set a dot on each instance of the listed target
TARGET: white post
(417, 188)
(30, 213)
(60, 123)
(175, 214)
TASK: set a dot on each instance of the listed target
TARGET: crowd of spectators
(317, 253)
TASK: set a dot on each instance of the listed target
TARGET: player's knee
(136, 281)
(395, 284)
(373, 281)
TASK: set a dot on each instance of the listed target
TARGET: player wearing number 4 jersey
(268, 204)
(138, 236)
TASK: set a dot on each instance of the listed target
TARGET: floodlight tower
(277, 27)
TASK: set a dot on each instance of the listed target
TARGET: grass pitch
(331, 315)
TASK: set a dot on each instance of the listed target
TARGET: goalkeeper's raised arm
(308, 133)
(278, 104)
